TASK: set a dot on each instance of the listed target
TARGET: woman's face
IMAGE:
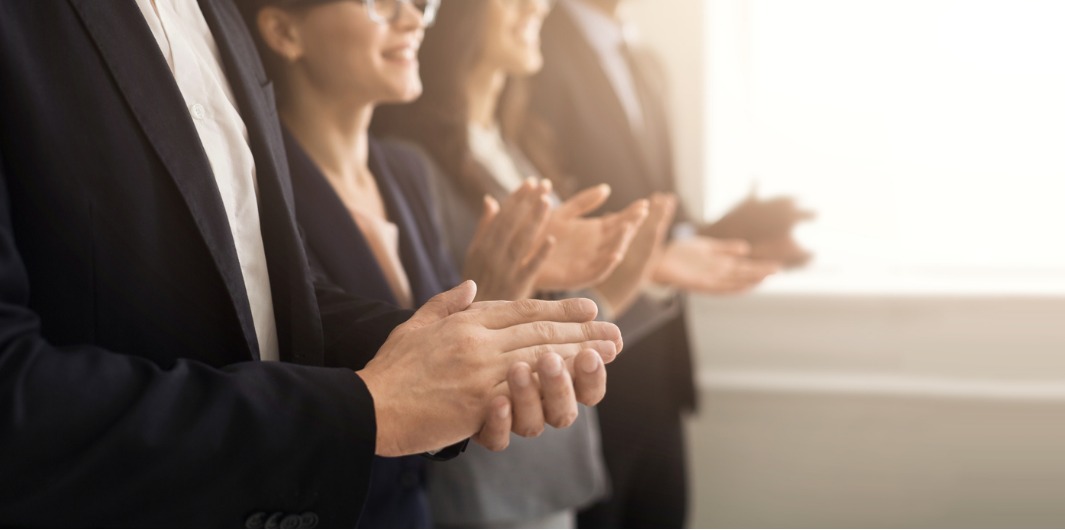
(346, 53)
(512, 36)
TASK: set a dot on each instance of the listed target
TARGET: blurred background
(913, 374)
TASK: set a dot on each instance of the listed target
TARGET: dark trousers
(643, 440)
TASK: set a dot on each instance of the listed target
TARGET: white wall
(922, 407)
(879, 411)
(673, 28)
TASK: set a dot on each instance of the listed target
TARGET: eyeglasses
(548, 4)
(385, 12)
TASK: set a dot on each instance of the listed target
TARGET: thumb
(585, 201)
(444, 304)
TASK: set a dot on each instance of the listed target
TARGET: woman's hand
(509, 245)
(587, 249)
(621, 288)
(712, 266)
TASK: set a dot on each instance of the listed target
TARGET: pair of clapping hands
(459, 368)
(523, 245)
(488, 368)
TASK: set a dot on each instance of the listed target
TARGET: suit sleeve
(354, 327)
(90, 437)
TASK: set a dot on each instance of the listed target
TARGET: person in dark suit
(140, 163)
(604, 102)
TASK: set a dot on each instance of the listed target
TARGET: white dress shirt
(608, 38)
(192, 54)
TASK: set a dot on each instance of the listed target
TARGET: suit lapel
(141, 74)
(416, 262)
(299, 328)
(587, 67)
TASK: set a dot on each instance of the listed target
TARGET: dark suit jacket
(397, 497)
(595, 144)
(128, 391)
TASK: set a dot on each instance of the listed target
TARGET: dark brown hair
(439, 120)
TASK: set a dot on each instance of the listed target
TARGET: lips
(405, 53)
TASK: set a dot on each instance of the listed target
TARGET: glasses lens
(382, 11)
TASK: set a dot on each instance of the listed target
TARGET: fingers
(525, 395)
(736, 247)
(500, 315)
(607, 350)
(585, 201)
(666, 211)
(495, 434)
(444, 304)
(524, 336)
(589, 377)
(559, 398)
(526, 230)
(755, 270)
(532, 266)
(491, 210)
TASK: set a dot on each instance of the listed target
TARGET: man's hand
(445, 374)
(544, 396)
(587, 249)
(713, 266)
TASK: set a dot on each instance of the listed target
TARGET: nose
(410, 17)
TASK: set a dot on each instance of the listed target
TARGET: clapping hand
(458, 368)
(712, 266)
(587, 249)
(509, 247)
(622, 287)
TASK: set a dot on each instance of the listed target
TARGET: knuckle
(531, 431)
(563, 419)
(545, 331)
(525, 308)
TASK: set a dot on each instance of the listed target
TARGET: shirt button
(274, 521)
(309, 520)
(198, 111)
(255, 520)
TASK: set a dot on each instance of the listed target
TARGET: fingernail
(503, 411)
(552, 366)
(590, 364)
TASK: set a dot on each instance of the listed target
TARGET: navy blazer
(336, 244)
(397, 497)
(130, 392)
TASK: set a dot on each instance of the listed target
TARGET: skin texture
(423, 395)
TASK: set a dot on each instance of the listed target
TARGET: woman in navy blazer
(364, 205)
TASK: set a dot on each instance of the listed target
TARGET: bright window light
(928, 134)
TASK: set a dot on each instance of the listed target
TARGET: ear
(280, 30)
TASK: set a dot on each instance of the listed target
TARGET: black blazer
(128, 391)
(595, 144)
(397, 497)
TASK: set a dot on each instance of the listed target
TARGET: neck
(335, 134)
(483, 90)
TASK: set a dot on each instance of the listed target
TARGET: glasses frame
(432, 7)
